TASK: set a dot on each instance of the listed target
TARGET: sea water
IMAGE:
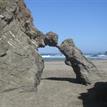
(60, 57)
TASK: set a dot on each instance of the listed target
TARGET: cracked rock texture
(20, 64)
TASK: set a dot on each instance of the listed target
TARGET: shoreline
(63, 59)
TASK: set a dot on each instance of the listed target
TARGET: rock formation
(51, 39)
(85, 70)
(20, 64)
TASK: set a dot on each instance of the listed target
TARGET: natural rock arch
(20, 65)
(86, 72)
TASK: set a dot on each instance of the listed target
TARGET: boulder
(51, 39)
(86, 72)
(21, 65)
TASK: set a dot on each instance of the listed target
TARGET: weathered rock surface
(51, 39)
(86, 72)
(20, 65)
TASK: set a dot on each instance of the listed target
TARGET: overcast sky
(85, 21)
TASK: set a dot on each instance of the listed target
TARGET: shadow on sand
(96, 96)
(72, 80)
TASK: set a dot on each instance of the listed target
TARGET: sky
(85, 21)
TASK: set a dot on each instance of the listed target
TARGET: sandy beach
(58, 88)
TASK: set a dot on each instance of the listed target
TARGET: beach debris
(85, 70)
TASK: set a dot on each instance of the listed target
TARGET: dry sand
(57, 89)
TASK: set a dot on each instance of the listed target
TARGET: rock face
(85, 70)
(20, 65)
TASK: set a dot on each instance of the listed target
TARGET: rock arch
(20, 65)
(86, 72)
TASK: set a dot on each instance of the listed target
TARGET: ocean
(60, 57)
